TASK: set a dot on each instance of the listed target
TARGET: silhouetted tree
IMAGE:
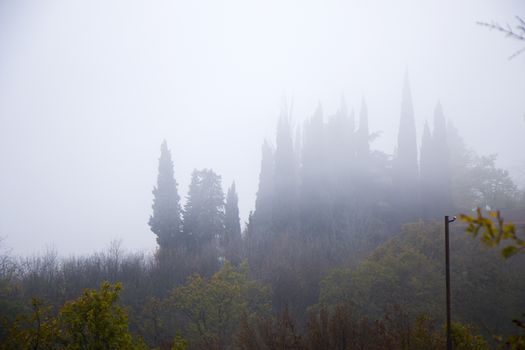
(441, 169)
(284, 213)
(204, 210)
(426, 171)
(232, 235)
(363, 141)
(262, 217)
(165, 221)
(405, 166)
(314, 191)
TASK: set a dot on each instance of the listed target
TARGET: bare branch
(518, 33)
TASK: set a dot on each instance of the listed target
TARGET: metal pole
(447, 273)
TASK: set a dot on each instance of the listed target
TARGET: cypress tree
(261, 220)
(405, 165)
(165, 222)
(442, 179)
(314, 176)
(284, 213)
(426, 170)
(204, 210)
(232, 226)
(363, 142)
(338, 149)
(313, 153)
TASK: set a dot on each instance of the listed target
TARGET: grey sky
(88, 90)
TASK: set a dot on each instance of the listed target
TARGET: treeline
(325, 261)
(392, 299)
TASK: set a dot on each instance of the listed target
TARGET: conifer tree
(284, 213)
(426, 171)
(262, 217)
(314, 176)
(338, 149)
(363, 142)
(165, 221)
(405, 166)
(232, 225)
(442, 177)
(204, 210)
(313, 153)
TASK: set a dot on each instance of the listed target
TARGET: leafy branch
(495, 231)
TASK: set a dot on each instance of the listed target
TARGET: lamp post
(447, 276)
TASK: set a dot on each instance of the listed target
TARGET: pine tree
(204, 210)
(165, 221)
(232, 225)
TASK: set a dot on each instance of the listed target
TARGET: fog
(88, 91)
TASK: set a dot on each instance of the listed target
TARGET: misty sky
(89, 89)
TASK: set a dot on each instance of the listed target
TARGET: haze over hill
(89, 90)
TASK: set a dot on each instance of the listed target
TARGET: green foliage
(408, 271)
(494, 233)
(204, 210)
(403, 272)
(517, 341)
(179, 343)
(91, 322)
(212, 308)
(278, 332)
(38, 330)
(464, 339)
(95, 321)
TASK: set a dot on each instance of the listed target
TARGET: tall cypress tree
(442, 185)
(338, 148)
(165, 221)
(314, 175)
(285, 177)
(232, 225)
(426, 165)
(204, 210)
(405, 166)
(261, 220)
(363, 142)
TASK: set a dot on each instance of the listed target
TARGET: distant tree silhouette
(441, 170)
(204, 210)
(165, 221)
(232, 225)
(262, 217)
(405, 165)
(426, 168)
(363, 137)
(284, 214)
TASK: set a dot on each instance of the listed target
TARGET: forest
(344, 250)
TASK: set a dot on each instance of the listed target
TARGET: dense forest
(344, 250)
